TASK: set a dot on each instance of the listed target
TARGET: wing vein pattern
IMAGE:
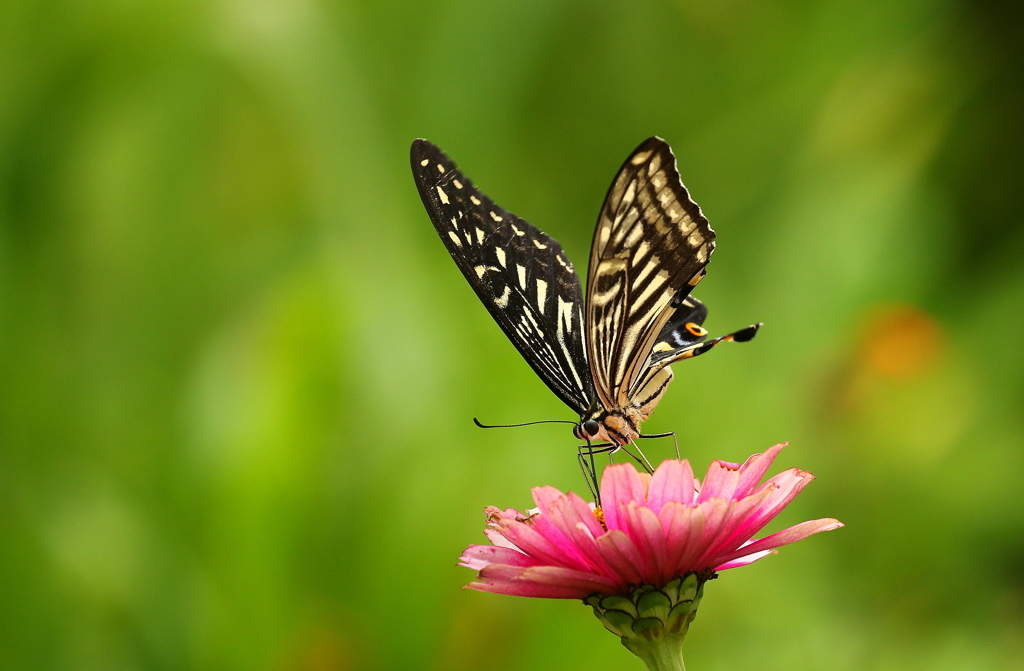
(521, 275)
(650, 248)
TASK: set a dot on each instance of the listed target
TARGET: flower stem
(665, 655)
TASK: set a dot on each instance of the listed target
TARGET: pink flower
(651, 530)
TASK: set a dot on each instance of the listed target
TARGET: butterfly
(607, 358)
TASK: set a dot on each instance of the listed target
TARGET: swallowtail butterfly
(608, 358)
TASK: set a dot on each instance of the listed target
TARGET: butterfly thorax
(621, 426)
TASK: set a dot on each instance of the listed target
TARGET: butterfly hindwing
(682, 330)
(649, 250)
(521, 275)
(683, 337)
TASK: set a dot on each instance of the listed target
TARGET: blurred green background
(238, 368)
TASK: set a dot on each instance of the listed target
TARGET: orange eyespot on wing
(696, 330)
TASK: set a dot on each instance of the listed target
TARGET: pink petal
(784, 537)
(544, 496)
(716, 516)
(566, 517)
(621, 555)
(754, 469)
(733, 529)
(743, 561)
(543, 524)
(646, 533)
(696, 521)
(477, 557)
(523, 589)
(720, 482)
(680, 524)
(538, 546)
(540, 581)
(672, 481)
(587, 583)
(501, 579)
(784, 486)
(620, 485)
(497, 539)
(585, 511)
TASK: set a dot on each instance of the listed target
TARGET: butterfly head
(587, 430)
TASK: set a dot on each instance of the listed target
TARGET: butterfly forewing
(649, 249)
(521, 275)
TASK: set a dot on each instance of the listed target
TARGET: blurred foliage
(237, 368)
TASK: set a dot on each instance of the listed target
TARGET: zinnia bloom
(641, 559)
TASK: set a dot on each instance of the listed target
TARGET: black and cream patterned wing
(649, 250)
(521, 275)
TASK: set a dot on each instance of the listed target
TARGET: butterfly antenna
(510, 426)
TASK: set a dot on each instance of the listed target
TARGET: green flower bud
(651, 621)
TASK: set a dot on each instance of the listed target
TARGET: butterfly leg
(664, 435)
(585, 456)
(642, 460)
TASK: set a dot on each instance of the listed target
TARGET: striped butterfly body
(608, 358)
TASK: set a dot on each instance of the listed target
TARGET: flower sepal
(652, 622)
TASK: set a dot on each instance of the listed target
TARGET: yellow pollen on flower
(599, 514)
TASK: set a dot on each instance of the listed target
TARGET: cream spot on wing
(626, 224)
(457, 183)
(630, 195)
(542, 294)
(654, 165)
(539, 245)
(565, 326)
(455, 223)
(522, 275)
(695, 239)
(500, 253)
(476, 201)
(564, 315)
(604, 235)
(479, 237)
(686, 225)
(651, 265)
(481, 270)
(424, 162)
(495, 217)
(562, 262)
(641, 157)
(602, 298)
(702, 253)
(641, 252)
(455, 239)
(634, 236)
(655, 283)
(440, 168)
(442, 195)
(659, 181)
(517, 231)
(502, 301)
